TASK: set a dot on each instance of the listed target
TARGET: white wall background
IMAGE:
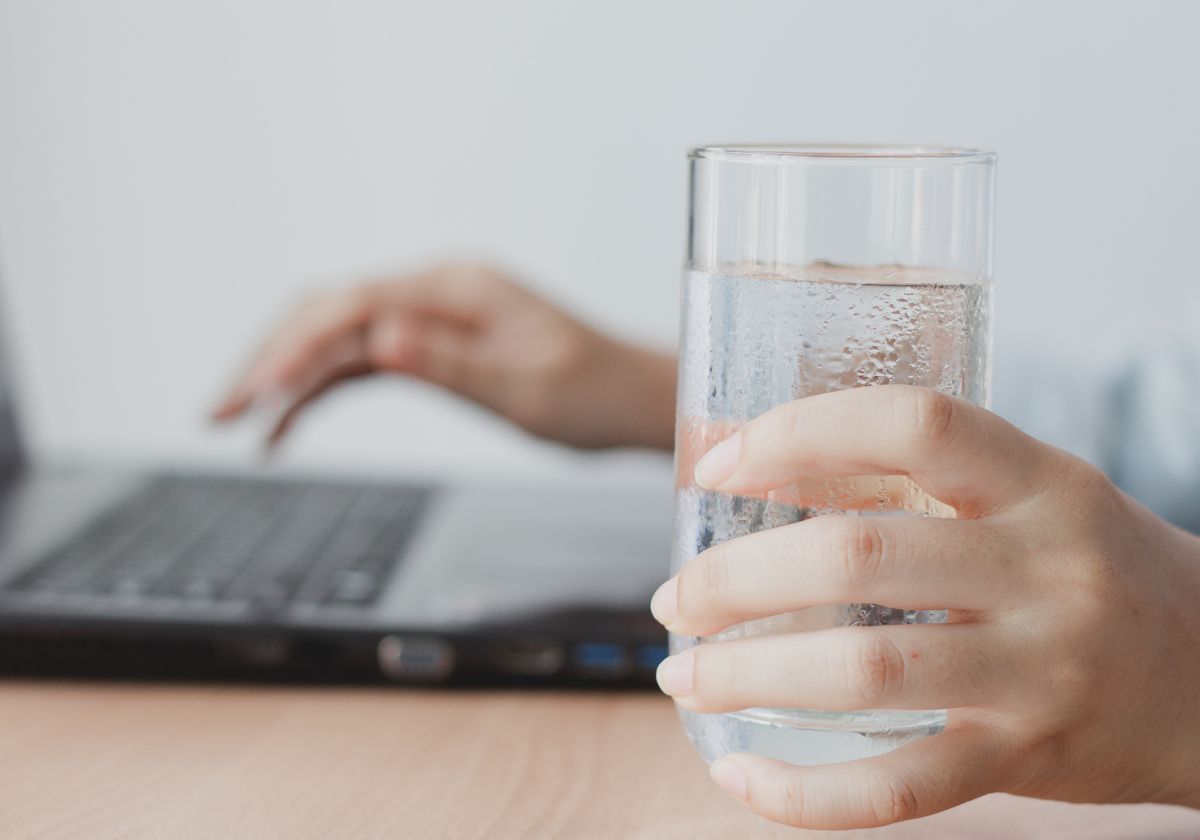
(172, 174)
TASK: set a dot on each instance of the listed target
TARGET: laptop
(194, 575)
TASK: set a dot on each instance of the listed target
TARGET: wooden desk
(105, 761)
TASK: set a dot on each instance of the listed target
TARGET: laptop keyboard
(236, 542)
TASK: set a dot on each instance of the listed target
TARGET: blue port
(649, 656)
(600, 658)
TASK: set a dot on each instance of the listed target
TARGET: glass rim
(831, 153)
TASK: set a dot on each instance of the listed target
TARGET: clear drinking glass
(813, 269)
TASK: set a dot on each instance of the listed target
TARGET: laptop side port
(649, 657)
(600, 659)
(528, 657)
(415, 658)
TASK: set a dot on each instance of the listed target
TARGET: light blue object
(1139, 421)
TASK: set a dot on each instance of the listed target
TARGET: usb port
(600, 659)
(415, 658)
(650, 656)
(528, 657)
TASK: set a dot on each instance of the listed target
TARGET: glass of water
(812, 269)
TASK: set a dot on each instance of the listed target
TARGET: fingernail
(665, 602)
(729, 776)
(718, 464)
(675, 674)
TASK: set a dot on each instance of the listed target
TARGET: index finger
(957, 452)
(294, 345)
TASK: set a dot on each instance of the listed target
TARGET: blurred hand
(1070, 658)
(474, 331)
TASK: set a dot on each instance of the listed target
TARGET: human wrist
(646, 380)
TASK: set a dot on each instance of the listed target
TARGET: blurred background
(174, 175)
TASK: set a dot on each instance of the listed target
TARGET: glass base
(804, 737)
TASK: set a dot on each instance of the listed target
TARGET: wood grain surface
(98, 761)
